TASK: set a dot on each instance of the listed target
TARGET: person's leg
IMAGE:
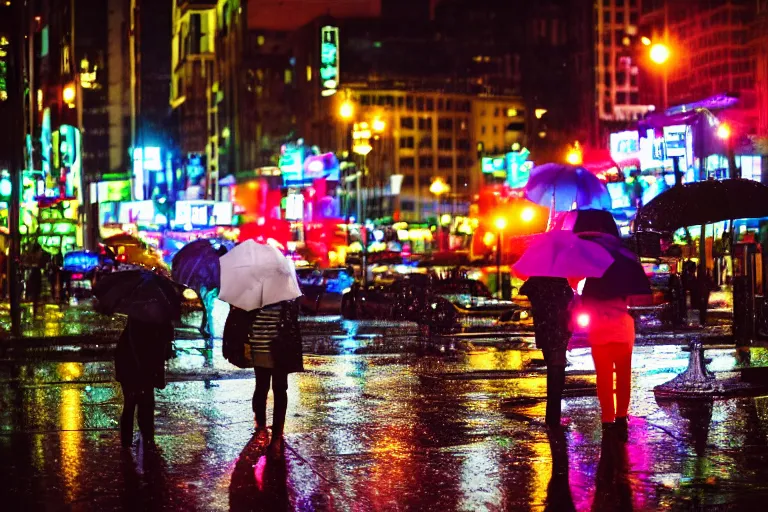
(126, 418)
(146, 415)
(280, 392)
(259, 403)
(555, 385)
(623, 361)
(602, 356)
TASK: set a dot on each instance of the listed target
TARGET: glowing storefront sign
(321, 166)
(329, 60)
(291, 164)
(675, 140)
(294, 207)
(203, 213)
(624, 143)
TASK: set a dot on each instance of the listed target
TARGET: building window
(495, 129)
(409, 102)
(408, 181)
(425, 142)
(406, 142)
(400, 101)
(496, 112)
(430, 105)
(607, 108)
(633, 98)
(444, 143)
(621, 98)
(606, 17)
(425, 123)
(426, 162)
(365, 100)
(620, 17)
(461, 162)
(406, 123)
(407, 162)
(408, 206)
(448, 105)
(425, 181)
(462, 144)
(607, 79)
(445, 162)
(482, 130)
(441, 104)
(445, 124)
(420, 104)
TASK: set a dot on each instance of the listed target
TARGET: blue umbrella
(196, 265)
(565, 186)
(623, 278)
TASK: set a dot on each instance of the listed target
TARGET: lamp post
(438, 188)
(659, 54)
(500, 223)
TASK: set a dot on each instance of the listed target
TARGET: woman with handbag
(269, 340)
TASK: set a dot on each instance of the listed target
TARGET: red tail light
(121, 257)
(77, 276)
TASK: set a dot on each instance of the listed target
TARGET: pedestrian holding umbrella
(551, 260)
(611, 332)
(152, 304)
(263, 327)
(196, 266)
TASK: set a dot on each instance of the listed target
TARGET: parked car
(81, 269)
(323, 289)
(441, 303)
(129, 251)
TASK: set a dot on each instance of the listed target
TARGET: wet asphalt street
(380, 421)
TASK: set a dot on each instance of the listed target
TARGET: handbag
(234, 337)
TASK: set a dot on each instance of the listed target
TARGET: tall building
(760, 45)
(617, 87)
(710, 52)
(192, 71)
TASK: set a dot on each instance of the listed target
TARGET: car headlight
(524, 315)
(346, 290)
(189, 294)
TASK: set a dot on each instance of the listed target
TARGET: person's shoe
(609, 430)
(621, 426)
(261, 434)
(276, 448)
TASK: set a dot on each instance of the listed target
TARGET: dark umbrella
(138, 293)
(196, 265)
(600, 221)
(623, 278)
(703, 202)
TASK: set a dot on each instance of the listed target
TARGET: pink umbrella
(563, 254)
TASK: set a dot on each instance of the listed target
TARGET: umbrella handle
(551, 218)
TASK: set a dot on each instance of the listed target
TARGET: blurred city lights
(347, 110)
(439, 187)
(527, 214)
(646, 41)
(724, 131)
(378, 125)
(500, 223)
(574, 155)
(659, 53)
(68, 94)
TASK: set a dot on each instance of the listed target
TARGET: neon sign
(329, 60)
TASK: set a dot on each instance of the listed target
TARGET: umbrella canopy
(138, 293)
(566, 186)
(703, 202)
(580, 221)
(255, 275)
(196, 265)
(563, 254)
(624, 277)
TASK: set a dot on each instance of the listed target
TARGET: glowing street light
(347, 110)
(659, 53)
(645, 40)
(575, 155)
(500, 223)
(527, 214)
(724, 131)
(68, 94)
(439, 187)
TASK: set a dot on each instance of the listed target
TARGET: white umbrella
(255, 275)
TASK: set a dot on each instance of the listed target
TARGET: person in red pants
(611, 335)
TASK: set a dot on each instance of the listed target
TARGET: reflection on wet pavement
(380, 432)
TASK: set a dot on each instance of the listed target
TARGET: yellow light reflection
(71, 413)
(541, 466)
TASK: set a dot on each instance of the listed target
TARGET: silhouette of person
(613, 491)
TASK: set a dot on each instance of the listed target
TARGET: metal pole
(498, 263)
(132, 102)
(16, 122)
(361, 221)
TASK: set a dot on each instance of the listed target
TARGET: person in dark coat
(550, 300)
(142, 350)
(272, 345)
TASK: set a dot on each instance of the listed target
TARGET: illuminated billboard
(329, 60)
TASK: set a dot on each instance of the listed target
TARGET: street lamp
(527, 214)
(659, 54)
(438, 188)
(575, 155)
(347, 110)
(500, 223)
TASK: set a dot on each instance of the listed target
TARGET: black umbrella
(624, 277)
(600, 221)
(196, 265)
(703, 202)
(138, 293)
